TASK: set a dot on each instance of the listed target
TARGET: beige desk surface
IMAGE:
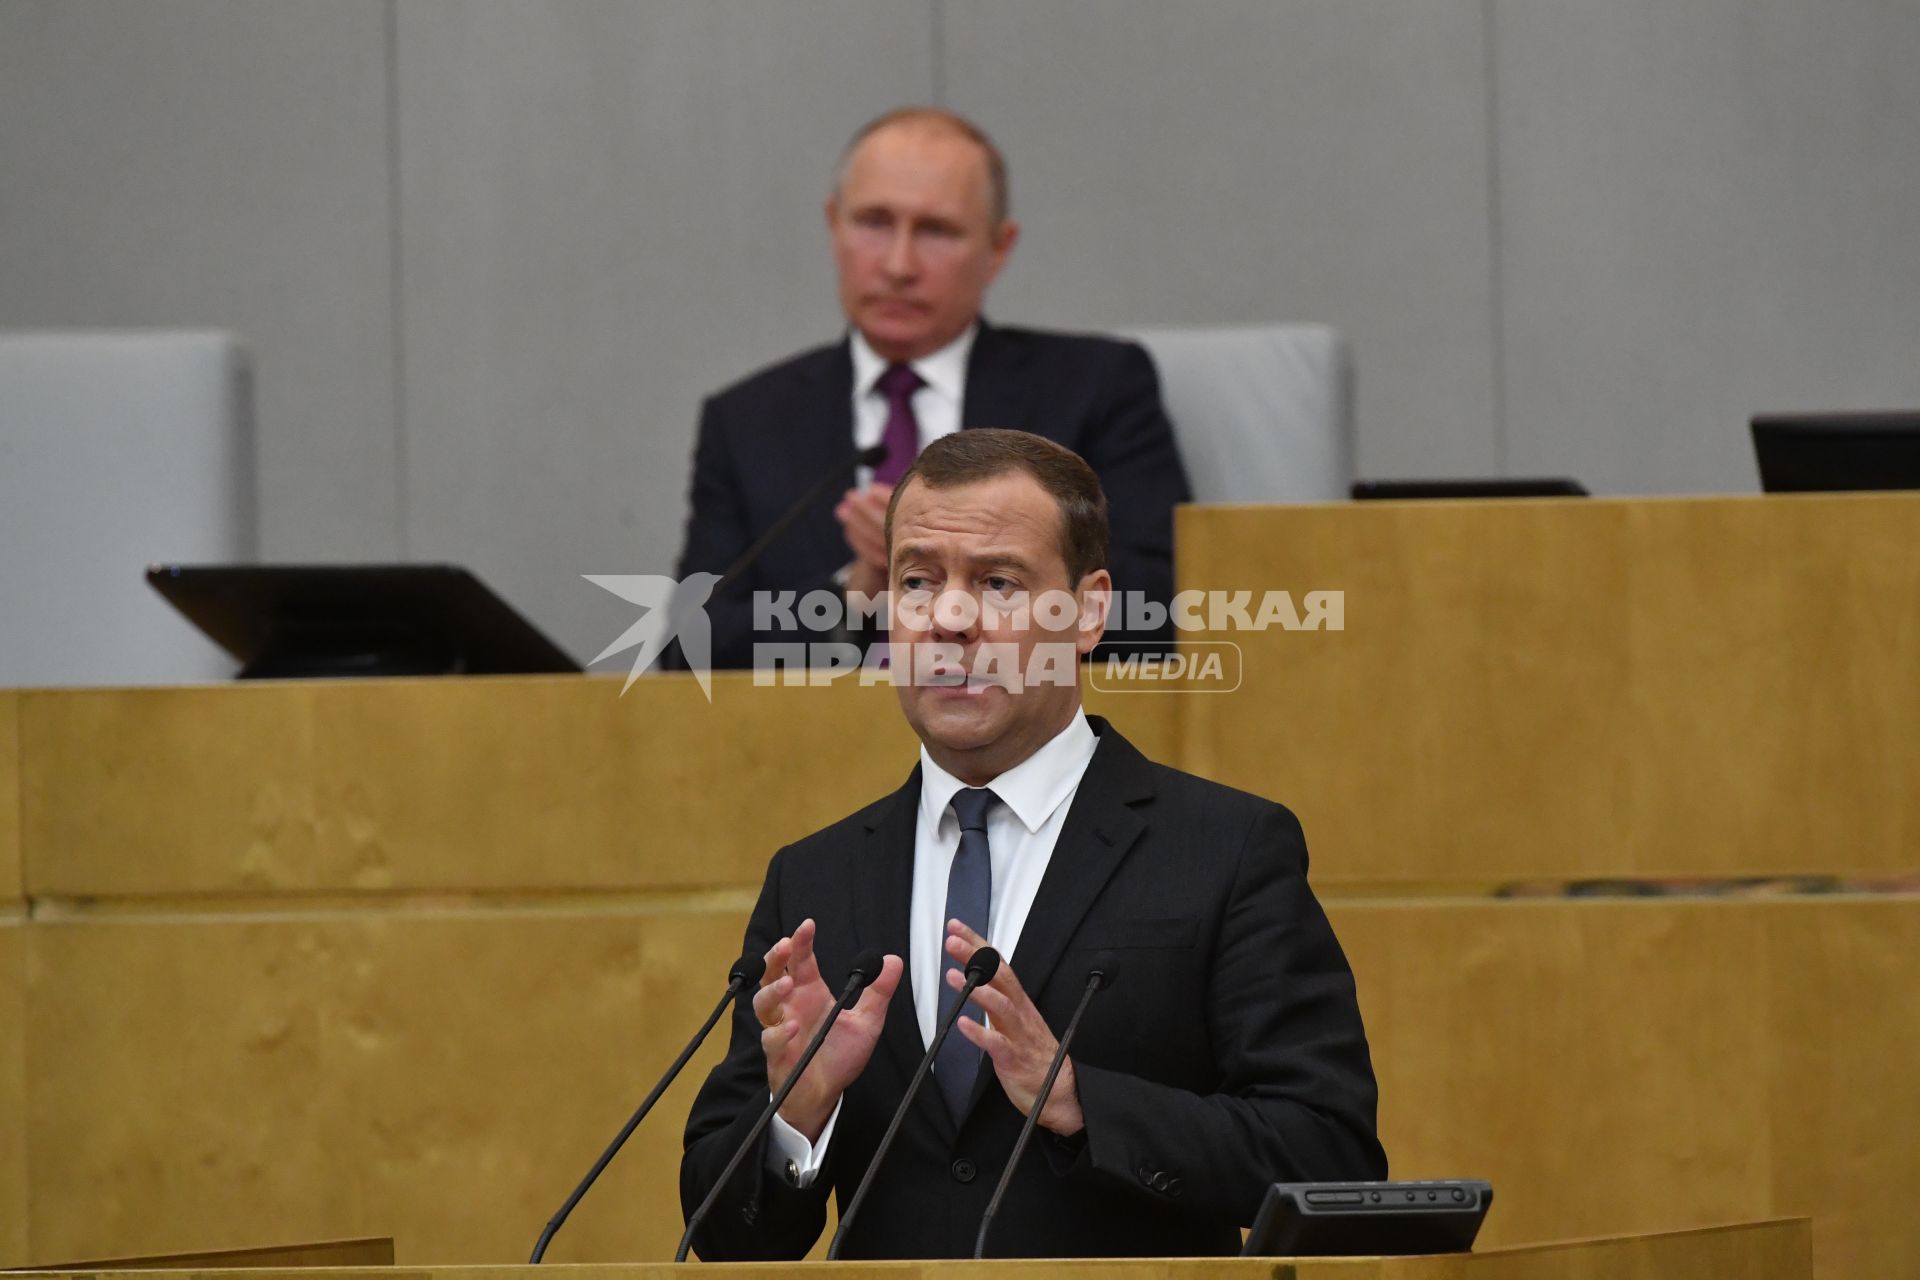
(1777, 1250)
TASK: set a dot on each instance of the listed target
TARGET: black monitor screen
(1828, 452)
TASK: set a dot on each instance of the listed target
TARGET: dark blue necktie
(969, 897)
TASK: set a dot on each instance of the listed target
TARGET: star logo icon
(671, 610)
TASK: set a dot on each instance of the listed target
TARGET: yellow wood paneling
(11, 891)
(469, 948)
(1753, 1251)
(1527, 689)
(136, 790)
(1595, 1062)
(1635, 1065)
(13, 1093)
(1578, 688)
(461, 784)
(1843, 997)
(1745, 1251)
(443, 1076)
(490, 784)
(1151, 721)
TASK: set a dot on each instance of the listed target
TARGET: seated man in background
(1228, 1054)
(919, 225)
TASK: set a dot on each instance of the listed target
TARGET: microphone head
(1101, 973)
(982, 965)
(747, 970)
(866, 967)
(872, 455)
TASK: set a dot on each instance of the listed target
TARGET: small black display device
(1377, 1219)
(1485, 487)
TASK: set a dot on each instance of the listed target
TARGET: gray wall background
(491, 253)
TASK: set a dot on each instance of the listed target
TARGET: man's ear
(1004, 237)
(1095, 595)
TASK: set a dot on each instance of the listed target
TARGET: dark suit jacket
(764, 440)
(1227, 1055)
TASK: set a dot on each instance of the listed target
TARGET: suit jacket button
(963, 1170)
(1160, 1181)
(747, 1215)
(1173, 1187)
(1146, 1175)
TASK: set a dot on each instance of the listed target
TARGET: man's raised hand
(863, 516)
(792, 1000)
(1016, 1037)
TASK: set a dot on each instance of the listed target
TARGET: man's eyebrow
(987, 560)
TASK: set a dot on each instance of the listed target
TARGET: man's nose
(956, 616)
(902, 262)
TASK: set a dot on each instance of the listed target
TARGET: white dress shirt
(1022, 830)
(936, 406)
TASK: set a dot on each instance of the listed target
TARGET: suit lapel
(819, 427)
(883, 887)
(1101, 828)
(996, 391)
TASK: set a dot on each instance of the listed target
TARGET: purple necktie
(902, 436)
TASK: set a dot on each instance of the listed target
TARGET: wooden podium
(398, 957)
(1779, 1250)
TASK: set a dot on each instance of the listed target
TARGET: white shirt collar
(1032, 789)
(944, 370)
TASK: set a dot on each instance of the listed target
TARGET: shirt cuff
(790, 1156)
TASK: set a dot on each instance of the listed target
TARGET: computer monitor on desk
(1834, 452)
(285, 622)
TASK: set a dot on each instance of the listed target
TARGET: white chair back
(117, 449)
(1262, 413)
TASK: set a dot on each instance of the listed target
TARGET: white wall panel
(610, 210)
(1708, 209)
(220, 164)
(1265, 160)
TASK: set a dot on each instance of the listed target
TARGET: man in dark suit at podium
(1229, 1052)
(919, 226)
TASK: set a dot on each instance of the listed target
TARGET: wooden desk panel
(473, 785)
(1607, 1063)
(1744, 1251)
(11, 889)
(1578, 688)
(13, 1093)
(441, 1077)
(1843, 1079)
(1522, 690)
(462, 785)
(444, 1076)
(13, 984)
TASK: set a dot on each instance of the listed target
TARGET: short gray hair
(938, 119)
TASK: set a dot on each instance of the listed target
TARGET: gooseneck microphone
(746, 972)
(871, 456)
(981, 966)
(866, 967)
(1099, 978)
